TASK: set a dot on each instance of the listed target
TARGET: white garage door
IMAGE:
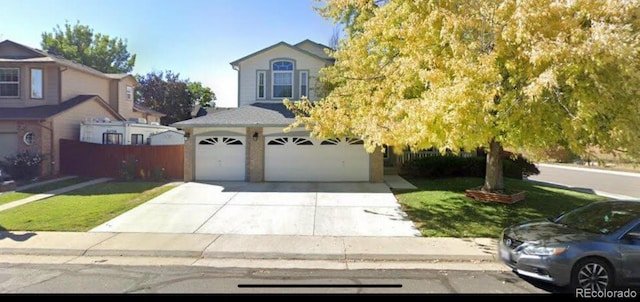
(307, 159)
(220, 158)
(8, 145)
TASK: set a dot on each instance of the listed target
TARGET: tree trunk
(493, 179)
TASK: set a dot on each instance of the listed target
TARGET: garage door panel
(220, 158)
(304, 159)
(8, 145)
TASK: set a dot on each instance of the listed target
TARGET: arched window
(282, 79)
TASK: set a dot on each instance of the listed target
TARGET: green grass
(82, 209)
(440, 209)
(17, 195)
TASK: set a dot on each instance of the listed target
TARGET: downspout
(52, 163)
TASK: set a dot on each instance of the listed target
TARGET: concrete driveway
(318, 209)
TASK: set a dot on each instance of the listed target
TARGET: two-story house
(248, 143)
(45, 97)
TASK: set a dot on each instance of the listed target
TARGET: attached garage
(8, 144)
(300, 158)
(220, 158)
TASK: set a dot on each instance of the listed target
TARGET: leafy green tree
(519, 74)
(80, 44)
(202, 95)
(175, 97)
(167, 93)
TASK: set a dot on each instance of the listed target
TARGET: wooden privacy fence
(133, 161)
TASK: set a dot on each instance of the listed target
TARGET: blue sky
(196, 38)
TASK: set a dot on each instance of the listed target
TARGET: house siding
(50, 86)
(67, 124)
(313, 48)
(76, 82)
(249, 67)
(125, 108)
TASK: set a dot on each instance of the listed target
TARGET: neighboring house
(44, 98)
(131, 132)
(248, 142)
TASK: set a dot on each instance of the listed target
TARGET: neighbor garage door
(307, 159)
(8, 145)
(220, 158)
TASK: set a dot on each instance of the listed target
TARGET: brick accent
(255, 155)
(189, 155)
(376, 166)
(42, 143)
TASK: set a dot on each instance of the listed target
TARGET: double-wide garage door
(307, 159)
(286, 158)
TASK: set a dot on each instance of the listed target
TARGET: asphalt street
(591, 180)
(50, 278)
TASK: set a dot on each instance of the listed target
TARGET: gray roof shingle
(258, 114)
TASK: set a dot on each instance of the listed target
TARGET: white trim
(591, 170)
(306, 78)
(19, 80)
(133, 92)
(264, 85)
(31, 83)
(273, 78)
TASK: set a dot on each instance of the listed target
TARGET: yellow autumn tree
(525, 75)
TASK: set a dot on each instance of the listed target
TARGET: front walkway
(312, 209)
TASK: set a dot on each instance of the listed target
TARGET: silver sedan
(594, 247)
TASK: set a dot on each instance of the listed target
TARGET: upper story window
(9, 82)
(304, 86)
(129, 93)
(36, 83)
(282, 79)
(261, 80)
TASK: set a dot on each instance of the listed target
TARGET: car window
(600, 217)
(635, 230)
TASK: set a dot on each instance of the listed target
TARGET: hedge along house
(248, 143)
(45, 97)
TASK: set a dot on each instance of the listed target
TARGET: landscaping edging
(478, 194)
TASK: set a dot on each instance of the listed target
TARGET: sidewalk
(215, 248)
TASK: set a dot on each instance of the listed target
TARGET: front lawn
(82, 209)
(440, 209)
(17, 195)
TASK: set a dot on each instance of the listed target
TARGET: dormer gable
(15, 51)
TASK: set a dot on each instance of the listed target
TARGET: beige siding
(125, 107)
(113, 94)
(76, 82)
(314, 49)
(248, 68)
(50, 86)
(10, 50)
(67, 124)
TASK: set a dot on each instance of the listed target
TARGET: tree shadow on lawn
(13, 236)
(456, 215)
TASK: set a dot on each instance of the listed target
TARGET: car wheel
(592, 273)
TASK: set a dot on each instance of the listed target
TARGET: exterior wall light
(255, 136)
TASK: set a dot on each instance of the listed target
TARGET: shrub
(128, 169)
(22, 166)
(455, 166)
(157, 174)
